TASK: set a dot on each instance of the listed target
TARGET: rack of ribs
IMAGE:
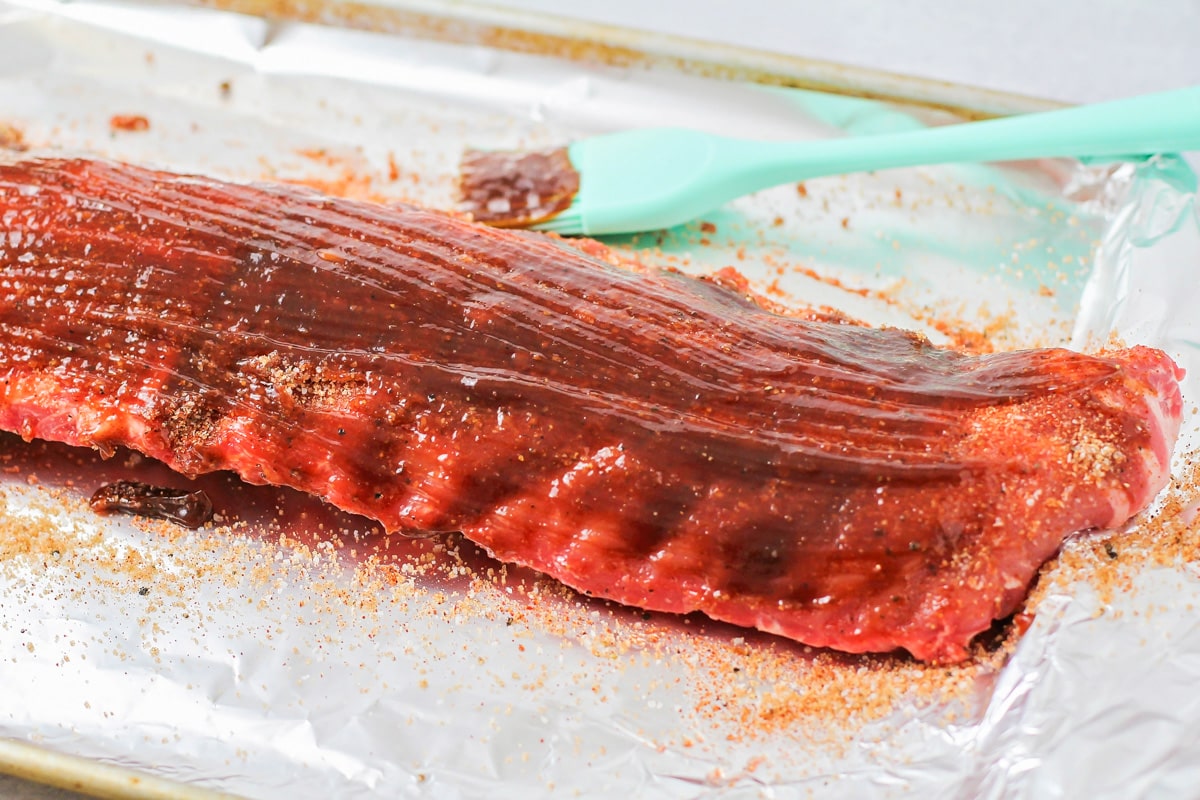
(640, 435)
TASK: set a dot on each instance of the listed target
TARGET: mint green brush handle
(658, 177)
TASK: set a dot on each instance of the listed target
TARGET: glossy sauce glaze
(192, 509)
(643, 436)
(517, 189)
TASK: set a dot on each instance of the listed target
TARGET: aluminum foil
(292, 650)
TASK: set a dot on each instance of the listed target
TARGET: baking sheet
(297, 650)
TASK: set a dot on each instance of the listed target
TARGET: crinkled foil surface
(294, 651)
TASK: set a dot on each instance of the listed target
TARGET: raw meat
(642, 436)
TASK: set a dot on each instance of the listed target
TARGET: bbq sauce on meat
(640, 435)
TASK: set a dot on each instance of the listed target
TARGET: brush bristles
(567, 223)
